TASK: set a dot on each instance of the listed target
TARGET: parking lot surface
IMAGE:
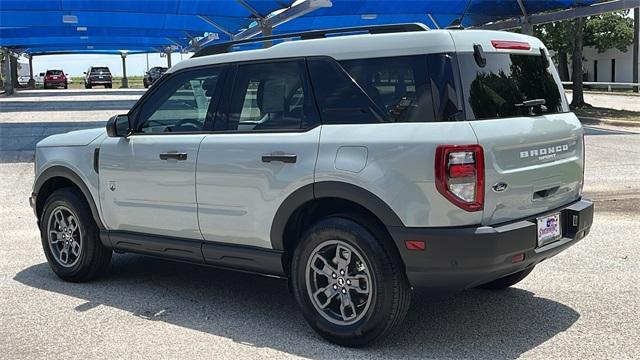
(584, 303)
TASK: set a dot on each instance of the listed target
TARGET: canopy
(117, 26)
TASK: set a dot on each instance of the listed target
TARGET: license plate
(549, 229)
(55, 78)
(101, 77)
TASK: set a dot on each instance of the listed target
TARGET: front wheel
(70, 237)
(507, 281)
(350, 284)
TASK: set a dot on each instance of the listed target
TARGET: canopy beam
(573, 13)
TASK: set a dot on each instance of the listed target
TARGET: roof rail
(314, 34)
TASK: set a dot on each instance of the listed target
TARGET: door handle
(173, 155)
(276, 157)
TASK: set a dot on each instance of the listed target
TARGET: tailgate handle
(541, 194)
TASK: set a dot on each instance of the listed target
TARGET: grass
(609, 114)
(135, 82)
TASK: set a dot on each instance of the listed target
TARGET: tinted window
(397, 85)
(445, 87)
(183, 104)
(269, 96)
(339, 98)
(100, 70)
(54, 72)
(503, 87)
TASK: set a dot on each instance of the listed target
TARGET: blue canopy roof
(113, 26)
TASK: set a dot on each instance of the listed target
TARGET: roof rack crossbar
(314, 34)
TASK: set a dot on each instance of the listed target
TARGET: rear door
(263, 148)
(532, 143)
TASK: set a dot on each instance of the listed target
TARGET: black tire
(507, 281)
(89, 86)
(86, 86)
(390, 292)
(108, 86)
(146, 85)
(93, 258)
(66, 86)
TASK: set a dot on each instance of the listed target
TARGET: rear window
(510, 85)
(100, 70)
(54, 72)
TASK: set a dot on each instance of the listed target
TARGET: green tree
(604, 32)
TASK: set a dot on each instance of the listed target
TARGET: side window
(339, 98)
(184, 103)
(269, 96)
(397, 85)
(445, 80)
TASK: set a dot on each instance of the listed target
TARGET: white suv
(355, 166)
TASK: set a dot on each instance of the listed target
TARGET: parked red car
(55, 78)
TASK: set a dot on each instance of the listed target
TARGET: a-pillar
(125, 80)
(32, 81)
(6, 72)
(168, 58)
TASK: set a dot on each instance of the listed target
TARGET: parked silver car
(358, 167)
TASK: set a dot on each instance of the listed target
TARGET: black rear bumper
(464, 257)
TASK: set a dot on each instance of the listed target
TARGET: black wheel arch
(49, 181)
(328, 190)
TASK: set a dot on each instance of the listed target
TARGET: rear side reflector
(517, 258)
(414, 244)
(511, 45)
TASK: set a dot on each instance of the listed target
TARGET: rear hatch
(533, 145)
(100, 73)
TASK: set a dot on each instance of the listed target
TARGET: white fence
(609, 85)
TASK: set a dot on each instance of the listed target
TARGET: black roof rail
(314, 34)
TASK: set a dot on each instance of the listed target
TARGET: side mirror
(84, 72)
(118, 126)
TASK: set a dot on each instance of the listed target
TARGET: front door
(147, 180)
(264, 147)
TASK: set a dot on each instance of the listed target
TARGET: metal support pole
(168, 58)
(6, 69)
(636, 45)
(32, 81)
(14, 71)
(266, 31)
(526, 27)
(125, 80)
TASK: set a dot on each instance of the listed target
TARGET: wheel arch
(57, 177)
(323, 199)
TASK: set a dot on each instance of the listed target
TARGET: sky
(75, 65)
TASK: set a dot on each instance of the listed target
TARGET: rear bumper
(464, 257)
(56, 82)
(99, 81)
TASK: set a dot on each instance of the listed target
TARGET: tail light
(459, 171)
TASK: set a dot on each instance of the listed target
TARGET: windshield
(54, 72)
(510, 85)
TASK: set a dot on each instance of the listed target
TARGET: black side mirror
(118, 126)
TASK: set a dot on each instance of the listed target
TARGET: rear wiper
(531, 103)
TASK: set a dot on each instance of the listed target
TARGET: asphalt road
(584, 303)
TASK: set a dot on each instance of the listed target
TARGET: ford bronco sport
(357, 166)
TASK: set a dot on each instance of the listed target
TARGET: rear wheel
(350, 284)
(66, 86)
(507, 281)
(70, 237)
